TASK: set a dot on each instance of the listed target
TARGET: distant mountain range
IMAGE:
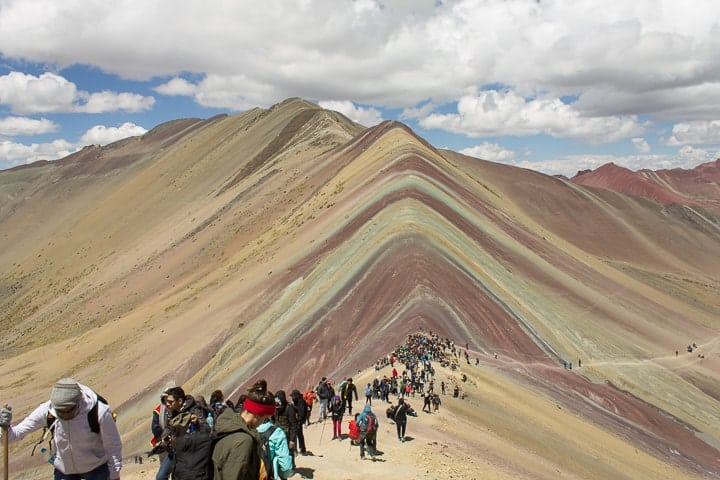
(290, 243)
(697, 187)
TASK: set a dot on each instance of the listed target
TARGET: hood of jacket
(230, 421)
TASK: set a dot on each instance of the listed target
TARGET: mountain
(699, 187)
(290, 243)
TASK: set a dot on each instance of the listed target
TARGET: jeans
(323, 409)
(100, 473)
(165, 467)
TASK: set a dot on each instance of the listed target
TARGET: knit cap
(65, 394)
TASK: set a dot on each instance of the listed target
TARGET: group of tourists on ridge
(256, 437)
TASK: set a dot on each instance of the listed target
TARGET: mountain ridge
(292, 236)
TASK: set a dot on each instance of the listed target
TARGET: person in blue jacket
(280, 455)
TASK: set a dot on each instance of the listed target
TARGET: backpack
(368, 391)
(267, 471)
(368, 425)
(93, 418)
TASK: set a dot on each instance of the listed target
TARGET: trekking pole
(5, 454)
(322, 431)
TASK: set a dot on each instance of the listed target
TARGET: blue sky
(556, 86)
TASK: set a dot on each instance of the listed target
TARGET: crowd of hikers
(257, 436)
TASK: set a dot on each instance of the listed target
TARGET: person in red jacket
(354, 430)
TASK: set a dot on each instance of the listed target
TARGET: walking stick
(322, 431)
(5, 453)
(5, 441)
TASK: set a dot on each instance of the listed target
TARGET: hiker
(442, 387)
(279, 454)
(403, 410)
(302, 415)
(191, 439)
(347, 393)
(456, 391)
(158, 426)
(286, 417)
(323, 394)
(238, 450)
(309, 396)
(354, 430)
(436, 402)
(85, 440)
(368, 394)
(427, 402)
(173, 398)
(217, 403)
(368, 425)
(337, 409)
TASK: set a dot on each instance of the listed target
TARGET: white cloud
(497, 113)
(361, 115)
(490, 151)
(571, 164)
(102, 135)
(393, 53)
(48, 92)
(11, 126)
(177, 86)
(13, 154)
(30, 94)
(698, 132)
(641, 145)
(102, 102)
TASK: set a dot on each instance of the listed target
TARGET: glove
(5, 416)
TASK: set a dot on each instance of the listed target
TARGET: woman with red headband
(238, 451)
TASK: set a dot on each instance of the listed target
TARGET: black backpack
(93, 418)
(266, 460)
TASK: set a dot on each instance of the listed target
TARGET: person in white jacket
(79, 453)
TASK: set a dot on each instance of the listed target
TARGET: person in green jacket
(237, 453)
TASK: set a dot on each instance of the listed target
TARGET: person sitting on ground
(78, 451)
(238, 451)
(354, 430)
(337, 409)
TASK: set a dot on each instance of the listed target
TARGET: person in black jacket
(347, 392)
(302, 415)
(191, 440)
(323, 394)
(286, 417)
(403, 410)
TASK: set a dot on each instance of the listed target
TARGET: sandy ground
(474, 438)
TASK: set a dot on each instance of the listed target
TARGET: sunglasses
(67, 413)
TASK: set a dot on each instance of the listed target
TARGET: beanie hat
(65, 394)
